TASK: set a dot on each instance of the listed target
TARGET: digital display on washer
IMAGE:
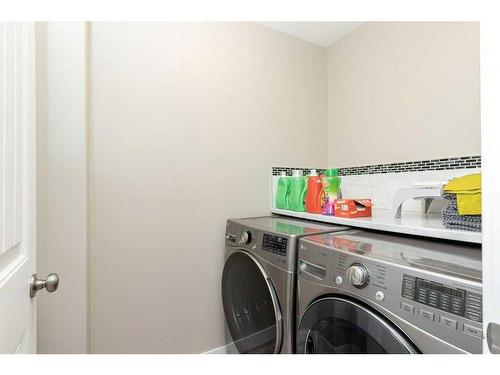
(458, 293)
(274, 244)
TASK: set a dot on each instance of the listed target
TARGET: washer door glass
(339, 326)
(250, 305)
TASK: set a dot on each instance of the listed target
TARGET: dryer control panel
(274, 244)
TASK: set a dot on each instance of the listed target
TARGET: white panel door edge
(17, 187)
(490, 115)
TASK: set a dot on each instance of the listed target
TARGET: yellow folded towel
(468, 191)
(469, 204)
(468, 182)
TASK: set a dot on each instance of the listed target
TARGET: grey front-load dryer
(366, 292)
(259, 279)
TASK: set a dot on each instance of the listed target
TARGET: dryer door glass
(250, 305)
(339, 326)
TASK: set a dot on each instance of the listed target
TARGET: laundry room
(292, 187)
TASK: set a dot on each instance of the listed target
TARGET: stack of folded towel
(463, 210)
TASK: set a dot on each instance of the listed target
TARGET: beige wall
(402, 91)
(186, 121)
(62, 185)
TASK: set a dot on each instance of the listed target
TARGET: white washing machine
(367, 292)
(259, 280)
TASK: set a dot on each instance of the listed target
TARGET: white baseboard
(226, 349)
(253, 341)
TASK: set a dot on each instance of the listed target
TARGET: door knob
(50, 283)
(493, 338)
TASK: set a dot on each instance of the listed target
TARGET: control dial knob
(357, 275)
(246, 237)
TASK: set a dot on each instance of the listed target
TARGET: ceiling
(323, 34)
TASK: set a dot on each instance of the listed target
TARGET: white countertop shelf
(413, 223)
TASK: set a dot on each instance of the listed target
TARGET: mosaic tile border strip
(410, 166)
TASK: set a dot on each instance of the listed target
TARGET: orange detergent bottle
(315, 193)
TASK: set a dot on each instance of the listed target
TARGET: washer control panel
(453, 311)
(452, 300)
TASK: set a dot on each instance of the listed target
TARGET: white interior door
(17, 187)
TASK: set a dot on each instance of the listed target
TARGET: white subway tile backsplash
(365, 186)
(396, 181)
(452, 173)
